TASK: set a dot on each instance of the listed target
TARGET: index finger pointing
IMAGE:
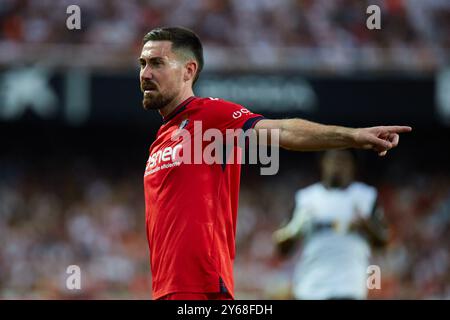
(398, 129)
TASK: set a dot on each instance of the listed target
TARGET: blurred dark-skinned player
(340, 221)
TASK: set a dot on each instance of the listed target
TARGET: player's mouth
(149, 91)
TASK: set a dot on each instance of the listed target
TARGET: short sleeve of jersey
(302, 217)
(299, 204)
(300, 200)
(222, 115)
(365, 197)
(306, 196)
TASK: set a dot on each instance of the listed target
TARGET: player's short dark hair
(353, 153)
(181, 38)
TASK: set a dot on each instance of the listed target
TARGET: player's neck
(165, 111)
(331, 184)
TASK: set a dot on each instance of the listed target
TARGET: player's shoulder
(309, 190)
(220, 109)
(216, 102)
(363, 188)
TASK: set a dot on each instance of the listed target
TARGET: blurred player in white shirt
(339, 221)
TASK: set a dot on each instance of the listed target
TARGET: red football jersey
(191, 209)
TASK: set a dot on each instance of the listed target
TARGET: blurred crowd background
(317, 34)
(85, 208)
(73, 194)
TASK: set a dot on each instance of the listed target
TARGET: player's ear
(190, 70)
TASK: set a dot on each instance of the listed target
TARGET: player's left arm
(374, 227)
(304, 135)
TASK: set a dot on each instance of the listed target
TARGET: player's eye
(157, 63)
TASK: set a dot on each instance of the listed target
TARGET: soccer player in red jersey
(191, 208)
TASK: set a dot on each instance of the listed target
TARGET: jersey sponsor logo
(238, 114)
(213, 146)
(168, 154)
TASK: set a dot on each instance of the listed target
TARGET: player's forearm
(303, 135)
(284, 239)
(375, 228)
(379, 235)
(378, 232)
(286, 233)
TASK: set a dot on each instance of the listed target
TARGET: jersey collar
(180, 108)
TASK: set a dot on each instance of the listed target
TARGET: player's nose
(146, 73)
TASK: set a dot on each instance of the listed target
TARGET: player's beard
(156, 100)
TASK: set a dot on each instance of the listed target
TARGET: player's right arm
(303, 135)
(286, 237)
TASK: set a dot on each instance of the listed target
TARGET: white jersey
(334, 261)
